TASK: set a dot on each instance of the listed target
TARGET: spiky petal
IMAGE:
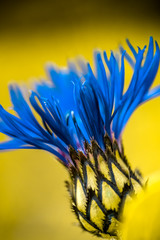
(78, 106)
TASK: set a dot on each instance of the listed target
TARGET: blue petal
(132, 48)
(76, 105)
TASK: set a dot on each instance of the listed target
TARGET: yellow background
(34, 203)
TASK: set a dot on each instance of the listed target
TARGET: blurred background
(34, 203)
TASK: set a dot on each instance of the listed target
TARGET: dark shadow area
(37, 14)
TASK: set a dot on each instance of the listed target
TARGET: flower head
(82, 117)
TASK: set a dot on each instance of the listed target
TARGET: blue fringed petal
(80, 105)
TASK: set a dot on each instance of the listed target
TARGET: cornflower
(83, 115)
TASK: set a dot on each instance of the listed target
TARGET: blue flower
(79, 116)
(78, 105)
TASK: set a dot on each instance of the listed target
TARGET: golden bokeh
(141, 216)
